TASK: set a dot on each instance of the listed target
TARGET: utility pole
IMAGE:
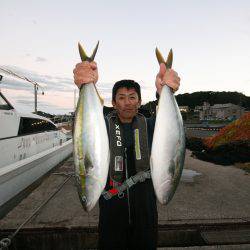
(1, 78)
(35, 90)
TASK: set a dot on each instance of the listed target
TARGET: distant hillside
(197, 98)
(235, 131)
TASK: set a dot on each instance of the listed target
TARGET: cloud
(41, 59)
(59, 91)
(9, 83)
(25, 102)
(47, 82)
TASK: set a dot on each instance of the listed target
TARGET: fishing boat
(30, 146)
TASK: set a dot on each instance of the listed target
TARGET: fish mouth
(88, 206)
(164, 192)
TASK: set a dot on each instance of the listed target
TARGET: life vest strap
(139, 177)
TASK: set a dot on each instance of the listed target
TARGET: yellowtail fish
(168, 147)
(91, 144)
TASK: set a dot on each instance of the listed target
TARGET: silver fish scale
(91, 147)
(168, 147)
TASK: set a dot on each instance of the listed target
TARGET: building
(188, 115)
(184, 109)
(226, 111)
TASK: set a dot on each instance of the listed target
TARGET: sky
(210, 42)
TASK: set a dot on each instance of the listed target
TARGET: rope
(5, 242)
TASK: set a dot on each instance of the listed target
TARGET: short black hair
(129, 84)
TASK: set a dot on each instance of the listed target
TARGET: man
(128, 219)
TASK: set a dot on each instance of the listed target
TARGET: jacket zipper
(126, 169)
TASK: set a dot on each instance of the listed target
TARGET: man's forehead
(125, 91)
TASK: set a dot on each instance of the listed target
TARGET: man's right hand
(85, 72)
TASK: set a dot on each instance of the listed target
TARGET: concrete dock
(211, 208)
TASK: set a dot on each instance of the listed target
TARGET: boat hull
(18, 176)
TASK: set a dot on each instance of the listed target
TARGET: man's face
(126, 103)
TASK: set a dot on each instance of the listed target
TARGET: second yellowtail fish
(168, 147)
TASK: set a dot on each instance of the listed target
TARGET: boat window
(3, 104)
(33, 125)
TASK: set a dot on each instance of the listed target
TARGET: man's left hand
(167, 77)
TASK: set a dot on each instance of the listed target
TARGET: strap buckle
(121, 195)
(139, 177)
(130, 182)
(107, 195)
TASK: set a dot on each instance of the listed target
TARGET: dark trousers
(132, 225)
(130, 238)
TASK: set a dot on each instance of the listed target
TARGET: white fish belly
(168, 147)
(91, 148)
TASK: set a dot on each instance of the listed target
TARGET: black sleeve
(107, 110)
(149, 109)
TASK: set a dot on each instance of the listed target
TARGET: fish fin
(172, 169)
(87, 163)
(94, 52)
(82, 53)
(84, 57)
(100, 98)
(169, 60)
(159, 56)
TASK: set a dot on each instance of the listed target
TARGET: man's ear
(114, 104)
(139, 104)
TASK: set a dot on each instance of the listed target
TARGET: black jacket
(130, 222)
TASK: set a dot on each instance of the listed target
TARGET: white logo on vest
(118, 135)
